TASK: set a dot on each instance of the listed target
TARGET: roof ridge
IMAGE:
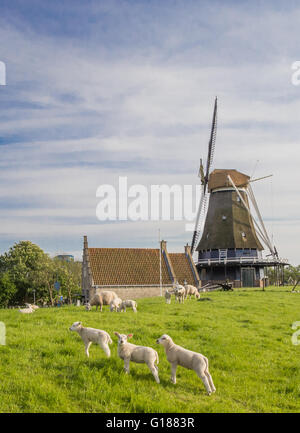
(125, 248)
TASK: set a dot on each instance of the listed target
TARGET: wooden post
(160, 277)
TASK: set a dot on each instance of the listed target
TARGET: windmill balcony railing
(252, 260)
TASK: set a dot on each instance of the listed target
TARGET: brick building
(135, 272)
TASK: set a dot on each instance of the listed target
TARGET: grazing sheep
(177, 355)
(128, 303)
(168, 296)
(92, 335)
(115, 304)
(191, 291)
(26, 310)
(140, 354)
(179, 292)
(96, 300)
(107, 296)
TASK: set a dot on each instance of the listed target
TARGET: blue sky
(98, 89)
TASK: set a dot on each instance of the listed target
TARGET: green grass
(245, 334)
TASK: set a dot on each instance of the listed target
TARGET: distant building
(135, 272)
(65, 257)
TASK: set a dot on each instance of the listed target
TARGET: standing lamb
(92, 335)
(140, 354)
(115, 304)
(177, 355)
(128, 303)
(96, 300)
(191, 291)
(168, 296)
(179, 292)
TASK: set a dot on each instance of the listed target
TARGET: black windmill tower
(232, 238)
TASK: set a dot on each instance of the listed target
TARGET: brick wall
(135, 292)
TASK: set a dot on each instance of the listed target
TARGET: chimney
(163, 245)
(187, 249)
(85, 242)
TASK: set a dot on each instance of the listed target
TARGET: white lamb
(179, 292)
(177, 355)
(168, 296)
(27, 310)
(128, 303)
(115, 304)
(191, 291)
(140, 354)
(92, 335)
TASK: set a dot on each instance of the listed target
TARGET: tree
(291, 274)
(7, 289)
(68, 274)
(25, 268)
(29, 269)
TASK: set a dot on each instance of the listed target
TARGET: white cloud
(147, 116)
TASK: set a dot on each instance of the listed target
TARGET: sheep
(190, 291)
(96, 300)
(168, 296)
(128, 303)
(27, 310)
(140, 354)
(179, 293)
(92, 335)
(115, 304)
(107, 296)
(177, 355)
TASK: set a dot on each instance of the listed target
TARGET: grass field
(245, 334)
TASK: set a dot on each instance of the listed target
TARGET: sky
(101, 89)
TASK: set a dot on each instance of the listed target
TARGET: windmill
(232, 232)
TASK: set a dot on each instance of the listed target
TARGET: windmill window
(238, 198)
(243, 234)
(207, 236)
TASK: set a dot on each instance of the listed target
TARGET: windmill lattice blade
(203, 201)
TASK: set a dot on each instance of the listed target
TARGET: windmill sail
(204, 177)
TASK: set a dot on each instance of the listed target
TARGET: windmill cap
(218, 179)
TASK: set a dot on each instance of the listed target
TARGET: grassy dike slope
(245, 334)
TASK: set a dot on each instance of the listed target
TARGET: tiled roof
(134, 266)
(127, 266)
(182, 268)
